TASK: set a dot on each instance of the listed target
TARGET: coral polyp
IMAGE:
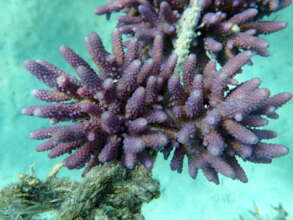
(219, 28)
(138, 106)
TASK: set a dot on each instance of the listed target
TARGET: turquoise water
(35, 29)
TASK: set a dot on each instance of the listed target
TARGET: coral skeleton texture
(139, 104)
(225, 27)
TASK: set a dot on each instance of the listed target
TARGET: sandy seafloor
(35, 29)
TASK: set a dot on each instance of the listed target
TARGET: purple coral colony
(168, 86)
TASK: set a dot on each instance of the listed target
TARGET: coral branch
(144, 109)
(150, 97)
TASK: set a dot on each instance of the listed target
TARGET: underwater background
(35, 29)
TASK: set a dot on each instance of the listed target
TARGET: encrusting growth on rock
(185, 31)
(109, 192)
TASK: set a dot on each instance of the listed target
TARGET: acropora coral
(148, 98)
(220, 28)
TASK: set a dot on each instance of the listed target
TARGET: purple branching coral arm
(137, 107)
(221, 29)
